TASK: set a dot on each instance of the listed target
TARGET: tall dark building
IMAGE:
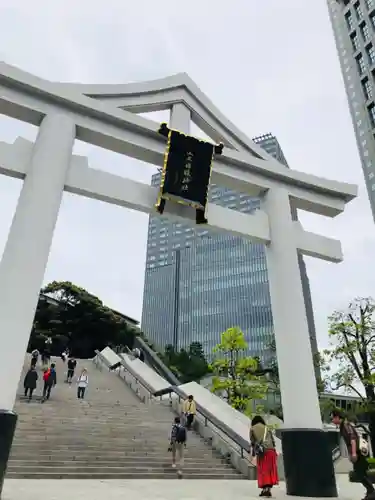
(353, 23)
(198, 284)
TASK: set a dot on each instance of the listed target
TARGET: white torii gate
(105, 115)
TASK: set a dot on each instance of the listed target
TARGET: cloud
(260, 62)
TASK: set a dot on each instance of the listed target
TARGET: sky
(269, 66)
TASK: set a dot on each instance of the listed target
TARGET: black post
(308, 464)
(8, 421)
(176, 299)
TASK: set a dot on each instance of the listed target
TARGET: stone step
(95, 469)
(92, 440)
(133, 456)
(108, 455)
(101, 424)
(122, 462)
(109, 435)
(95, 448)
(166, 474)
(130, 452)
(56, 417)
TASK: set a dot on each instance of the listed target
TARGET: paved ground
(23, 489)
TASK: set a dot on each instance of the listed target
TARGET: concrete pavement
(23, 489)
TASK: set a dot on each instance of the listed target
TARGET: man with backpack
(49, 378)
(358, 451)
(177, 445)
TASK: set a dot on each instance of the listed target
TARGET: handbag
(259, 448)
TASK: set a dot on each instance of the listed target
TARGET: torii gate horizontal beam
(123, 132)
(100, 185)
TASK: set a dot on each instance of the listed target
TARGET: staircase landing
(15, 489)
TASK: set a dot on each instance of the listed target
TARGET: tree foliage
(187, 364)
(351, 354)
(235, 376)
(78, 320)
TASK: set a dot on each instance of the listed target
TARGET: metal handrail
(243, 444)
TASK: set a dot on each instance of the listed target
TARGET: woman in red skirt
(263, 447)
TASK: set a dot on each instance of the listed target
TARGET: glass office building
(353, 23)
(199, 283)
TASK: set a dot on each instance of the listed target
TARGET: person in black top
(359, 461)
(72, 363)
(30, 381)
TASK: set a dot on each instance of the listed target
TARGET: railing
(208, 417)
(155, 362)
(139, 380)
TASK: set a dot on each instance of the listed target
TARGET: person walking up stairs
(177, 445)
(30, 382)
(50, 380)
(83, 382)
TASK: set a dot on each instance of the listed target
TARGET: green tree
(77, 320)
(234, 375)
(187, 364)
(352, 351)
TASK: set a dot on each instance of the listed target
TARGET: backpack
(363, 446)
(46, 375)
(180, 434)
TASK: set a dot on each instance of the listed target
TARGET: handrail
(137, 378)
(207, 415)
(103, 358)
(160, 365)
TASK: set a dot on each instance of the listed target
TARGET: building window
(355, 41)
(349, 20)
(370, 4)
(371, 111)
(365, 32)
(358, 10)
(361, 64)
(367, 89)
(371, 53)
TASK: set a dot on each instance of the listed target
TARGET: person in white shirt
(82, 382)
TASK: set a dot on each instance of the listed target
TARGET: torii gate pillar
(304, 442)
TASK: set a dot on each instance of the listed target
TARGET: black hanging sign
(186, 171)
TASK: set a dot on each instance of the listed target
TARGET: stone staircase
(109, 435)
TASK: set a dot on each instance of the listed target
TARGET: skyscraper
(353, 23)
(199, 283)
